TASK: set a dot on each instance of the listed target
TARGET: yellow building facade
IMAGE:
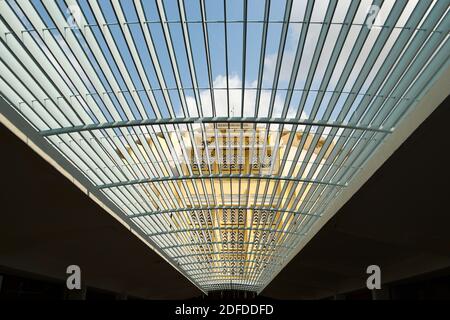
(229, 212)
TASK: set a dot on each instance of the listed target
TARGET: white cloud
(234, 100)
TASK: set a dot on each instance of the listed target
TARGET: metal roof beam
(215, 176)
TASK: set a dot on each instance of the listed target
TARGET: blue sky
(216, 37)
(223, 75)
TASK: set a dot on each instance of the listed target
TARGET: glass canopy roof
(221, 130)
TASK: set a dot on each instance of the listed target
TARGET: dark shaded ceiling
(47, 223)
(398, 220)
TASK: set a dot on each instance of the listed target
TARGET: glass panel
(151, 112)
